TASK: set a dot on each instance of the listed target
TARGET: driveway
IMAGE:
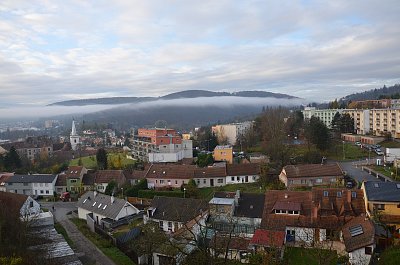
(87, 252)
(356, 172)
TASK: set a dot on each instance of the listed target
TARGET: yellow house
(223, 153)
(382, 201)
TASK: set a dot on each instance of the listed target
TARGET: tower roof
(73, 131)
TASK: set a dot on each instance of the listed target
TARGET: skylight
(105, 206)
(94, 204)
(84, 200)
(356, 230)
(99, 205)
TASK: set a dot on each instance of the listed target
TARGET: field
(90, 161)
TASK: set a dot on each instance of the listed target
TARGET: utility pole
(344, 156)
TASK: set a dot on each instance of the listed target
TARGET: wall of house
(311, 181)
(44, 189)
(166, 226)
(302, 234)
(128, 209)
(165, 157)
(241, 179)
(206, 182)
(225, 154)
(389, 209)
(30, 207)
(358, 256)
(83, 212)
(159, 183)
(19, 188)
(101, 187)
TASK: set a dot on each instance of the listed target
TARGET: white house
(242, 173)
(24, 204)
(104, 207)
(39, 184)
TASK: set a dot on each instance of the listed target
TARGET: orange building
(160, 136)
(223, 153)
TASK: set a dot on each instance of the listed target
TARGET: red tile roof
(210, 172)
(74, 171)
(105, 176)
(268, 238)
(61, 180)
(366, 238)
(171, 171)
(312, 170)
(243, 169)
(287, 206)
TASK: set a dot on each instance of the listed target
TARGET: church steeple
(74, 137)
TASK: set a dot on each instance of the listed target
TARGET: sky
(53, 50)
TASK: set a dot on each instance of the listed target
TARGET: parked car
(357, 143)
(378, 152)
(65, 196)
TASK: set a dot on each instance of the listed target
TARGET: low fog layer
(51, 111)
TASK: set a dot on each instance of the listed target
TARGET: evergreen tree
(317, 133)
(101, 157)
(12, 160)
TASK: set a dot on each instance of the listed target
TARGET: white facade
(325, 115)
(242, 179)
(171, 153)
(44, 189)
(231, 131)
(359, 256)
(392, 154)
(30, 207)
(127, 210)
(74, 137)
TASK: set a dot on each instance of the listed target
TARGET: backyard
(310, 256)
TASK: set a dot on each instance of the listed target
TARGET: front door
(212, 182)
(97, 218)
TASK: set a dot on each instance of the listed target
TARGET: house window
(254, 177)
(161, 181)
(318, 181)
(204, 181)
(31, 204)
(198, 182)
(47, 192)
(232, 178)
(161, 224)
(379, 206)
(303, 181)
(339, 194)
(354, 194)
(238, 178)
(220, 181)
(368, 250)
(73, 180)
(176, 182)
(41, 192)
(169, 226)
(295, 212)
(326, 193)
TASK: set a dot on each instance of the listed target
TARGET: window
(220, 181)
(41, 192)
(47, 192)
(278, 211)
(326, 193)
(176, 182)
(237, 178)
(73, 180)
(204, 181)
(303, 181)
(31, 204)
(339, 194)
(318, 181)
(161, 181)
(161, 224)
(169, 226)
(368, 250)
(232, 178)
(295, 212)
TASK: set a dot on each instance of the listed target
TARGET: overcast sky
(318, 50)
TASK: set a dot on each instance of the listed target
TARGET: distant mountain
(373, 93)
(177, 95)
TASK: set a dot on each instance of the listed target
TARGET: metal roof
(31, 179)
(382, 191)
(222, 201)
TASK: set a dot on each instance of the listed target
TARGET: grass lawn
(105, 246)
(90, 161)
(390, 144)
(390, 256)
(60, 229)
(310, 256)
(207, 193)
(351, 152)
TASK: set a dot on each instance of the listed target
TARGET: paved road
(84, 248)
(356, 172)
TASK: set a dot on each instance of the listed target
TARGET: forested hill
(374, 93)
(178, 95)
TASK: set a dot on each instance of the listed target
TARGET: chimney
(237, 197)
(112, 198)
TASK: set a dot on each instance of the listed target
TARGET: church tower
(74, 137)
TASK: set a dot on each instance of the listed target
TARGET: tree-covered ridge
(384, 92)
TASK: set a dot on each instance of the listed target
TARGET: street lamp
(184, 192)
(344, 157)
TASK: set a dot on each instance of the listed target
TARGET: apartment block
(325, 115)
(231, 132)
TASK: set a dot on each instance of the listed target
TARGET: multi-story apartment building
(231, 132)
(325, 115)
(161, 145)
(362, 123)
(33, 147)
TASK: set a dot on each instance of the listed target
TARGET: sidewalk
(84, 245)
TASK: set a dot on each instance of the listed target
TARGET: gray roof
(31, 179)
(91, 203)
(382, 191)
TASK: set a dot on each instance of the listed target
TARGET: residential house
(25, 204)
(103, 177)
(173, 214)
(74, 176)
(311, 175)
(104, 210)
(382, 200)
(242, 173)
(241, 211)
(33, 147)
(210, 177)
(309, 217)
(133, 177)
(359, 238)
(43, 185)
(3, 177)
(223, 153)
(265, 240)
(236, 248)
(169, 175)
(61, 184)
